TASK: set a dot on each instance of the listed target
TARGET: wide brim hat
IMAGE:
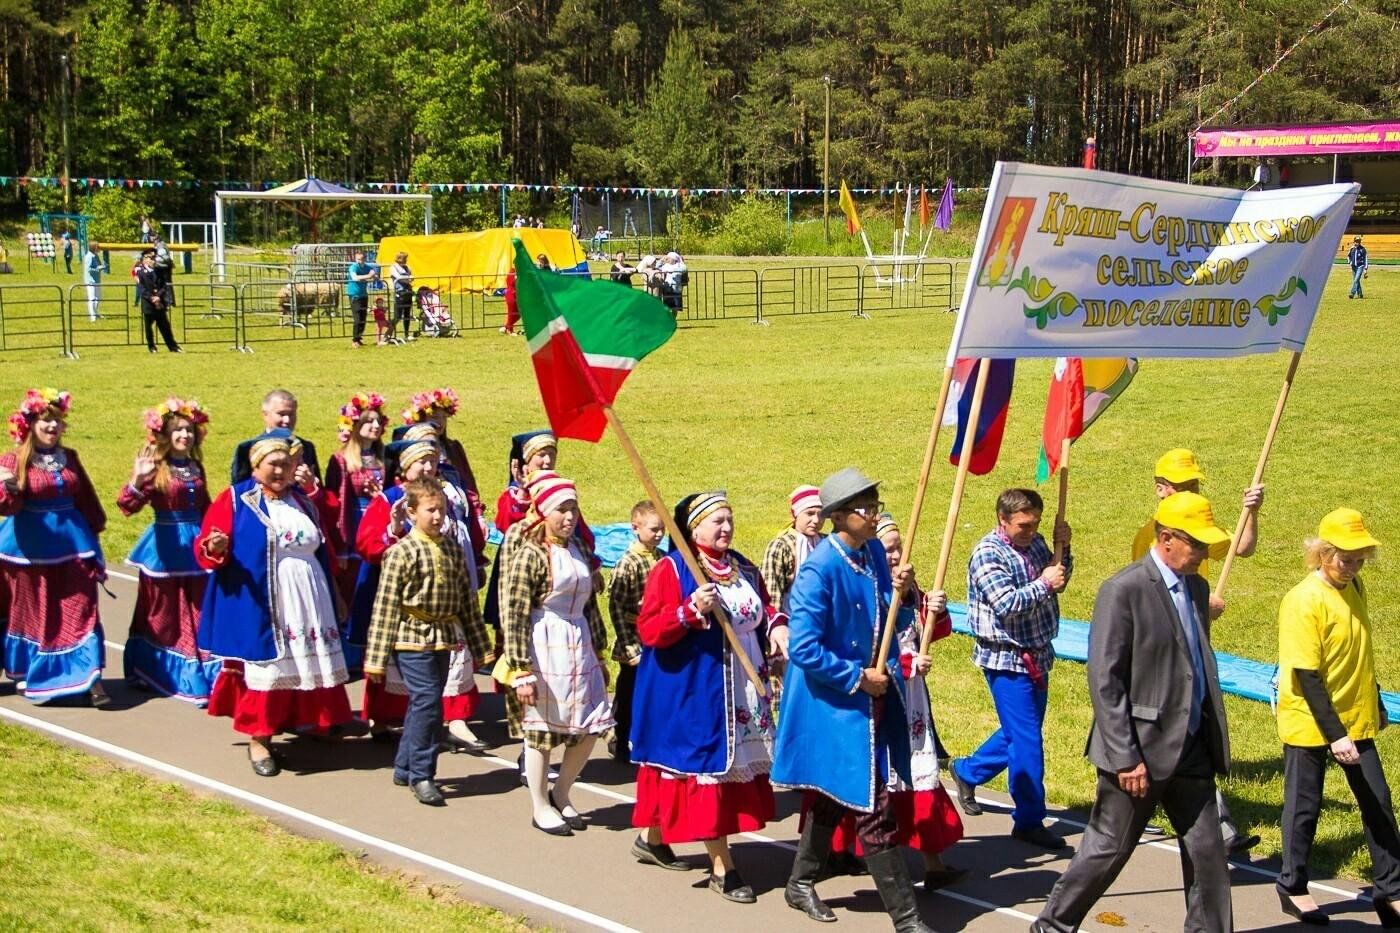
(841, 487)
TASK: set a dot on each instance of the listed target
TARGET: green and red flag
(585, 338)
(1080, 390)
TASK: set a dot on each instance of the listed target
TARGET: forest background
(658, 92)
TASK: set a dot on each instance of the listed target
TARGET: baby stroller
(433, 314)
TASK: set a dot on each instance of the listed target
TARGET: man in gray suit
(1159, 733)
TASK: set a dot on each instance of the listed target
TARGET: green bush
(116, 215)
(753, 227)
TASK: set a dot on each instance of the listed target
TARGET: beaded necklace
(51, 460)
(721, 573)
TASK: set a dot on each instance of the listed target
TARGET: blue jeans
(1356, 275)
(1015, 748)
(425, 674)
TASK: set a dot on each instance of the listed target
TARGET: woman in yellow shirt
(1329, 704)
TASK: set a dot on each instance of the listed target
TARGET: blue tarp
(611, 541)
(1242, 677)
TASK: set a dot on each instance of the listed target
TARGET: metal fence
(247, 304)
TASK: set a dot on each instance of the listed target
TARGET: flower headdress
(424, 404)
(361, 404)
(188, 409)
(36, 402)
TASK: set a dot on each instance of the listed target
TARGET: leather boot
(891, 877)
(812, 853)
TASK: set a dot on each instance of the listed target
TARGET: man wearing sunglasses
(1013, 607)
(1159, 734)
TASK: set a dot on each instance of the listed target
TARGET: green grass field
(761, 409)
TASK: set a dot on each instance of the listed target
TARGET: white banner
(1074, 262)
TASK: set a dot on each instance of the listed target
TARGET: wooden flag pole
(1259, 469)
(887, 635)
(678, 541)
(964, 463)
(1064, 495)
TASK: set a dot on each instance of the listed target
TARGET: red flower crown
(36, 402)
(422, 406)
(361, 404)
(188, 409)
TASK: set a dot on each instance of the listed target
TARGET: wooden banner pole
(718, 615)
(1064, 495)
(912, 529)
(1259, 469)
(955, 504)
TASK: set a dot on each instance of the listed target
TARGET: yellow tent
(474, 262)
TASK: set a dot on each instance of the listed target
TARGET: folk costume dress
(512, 508)
(625, 590)
(554, 634)
(353, 490)
(928, 821)
(161, 649)
(702, 736)
(269, 612)
(50, 566)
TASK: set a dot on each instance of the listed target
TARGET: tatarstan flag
(585, 337)
(1079, 392)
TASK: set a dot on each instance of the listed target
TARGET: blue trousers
(1356, 282)
(1015, 748)
(425, 674)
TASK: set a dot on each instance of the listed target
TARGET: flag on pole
(848, 207)
(944, 220)
(1079, 392)
(585, 338)
(924, 213)
(908, 207)
(991, 422)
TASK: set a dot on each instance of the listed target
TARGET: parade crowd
(734, 677)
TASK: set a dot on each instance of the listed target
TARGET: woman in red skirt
(169, 476)
(270, 610)
(702, 735)
(50, 558)
(354, 476)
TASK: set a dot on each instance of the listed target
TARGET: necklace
(183, 470)
(52, 459)
(721, 573)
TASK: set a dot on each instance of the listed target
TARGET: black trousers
(157, 318)
(1116, 824)
(877, 829)
(359, 310)
(402, 315)
(1303, 770)
(622, 706)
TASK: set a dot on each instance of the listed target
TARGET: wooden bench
(188, 249)
(1378, 245)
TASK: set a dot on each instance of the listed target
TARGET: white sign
(1074, 262)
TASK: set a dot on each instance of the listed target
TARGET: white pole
(218, 234)
(428, 216)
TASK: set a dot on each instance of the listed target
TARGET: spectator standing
(67, 252)
(92, 280)
(1356, 258)
(357, 282)
(402, 278)
(145, 229)
(155, 303)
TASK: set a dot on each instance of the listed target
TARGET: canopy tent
(479, 261)
(312, 198)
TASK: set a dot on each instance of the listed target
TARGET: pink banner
(1339, 138)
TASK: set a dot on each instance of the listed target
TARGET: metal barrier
(927, 286)
(718, 294)
(809, 290)
(32, 318)
(272, 311)
(203, 313)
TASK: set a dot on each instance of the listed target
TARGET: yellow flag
(848, 207)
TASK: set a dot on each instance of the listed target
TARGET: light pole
(67, 166)
(826, 162)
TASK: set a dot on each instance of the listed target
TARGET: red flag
(1064, 409)
(924, 213)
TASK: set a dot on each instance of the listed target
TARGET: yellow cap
(1190, 514)
(1343, 529)
(1179, 466)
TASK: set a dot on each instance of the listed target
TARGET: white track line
(1169, 847)
(311, 819)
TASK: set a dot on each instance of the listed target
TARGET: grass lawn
(91, 846)
(762, 409)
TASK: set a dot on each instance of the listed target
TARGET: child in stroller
(436, 319)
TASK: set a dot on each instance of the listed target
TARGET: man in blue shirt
(92, 279)
(1013, 582)
(357, 290)
(1356, 258)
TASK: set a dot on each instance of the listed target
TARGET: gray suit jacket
(1140, 675)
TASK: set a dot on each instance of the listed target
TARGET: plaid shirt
(526, 579)
(425, 602)
(629, 580)
(1009, 608)
(780, 567)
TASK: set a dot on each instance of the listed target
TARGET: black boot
(891, 877)
(812, 853)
